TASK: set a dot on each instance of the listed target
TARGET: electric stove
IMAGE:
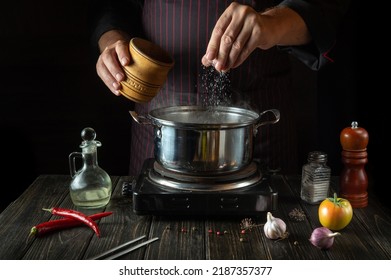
(159, 191)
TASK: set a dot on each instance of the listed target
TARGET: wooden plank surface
(362, 239)
(18, 218)
(297, 245)
(180, 238)
(231, 244)
(368, 236)
(70, 243)
(120, 227)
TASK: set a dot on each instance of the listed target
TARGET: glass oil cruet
(91, 186)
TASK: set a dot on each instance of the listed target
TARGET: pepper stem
(33, 231)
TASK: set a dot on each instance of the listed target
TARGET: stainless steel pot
(204, 141)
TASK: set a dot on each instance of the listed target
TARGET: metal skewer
(112, 257)
(104, 254)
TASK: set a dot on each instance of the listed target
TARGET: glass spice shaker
(91, 186)
(315, 178)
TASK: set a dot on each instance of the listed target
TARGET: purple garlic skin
(323, 238)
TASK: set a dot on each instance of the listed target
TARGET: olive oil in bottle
(91, 186)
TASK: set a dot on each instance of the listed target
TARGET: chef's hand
(241, 29)
(114, 47)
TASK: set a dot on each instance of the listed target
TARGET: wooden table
(367, 237)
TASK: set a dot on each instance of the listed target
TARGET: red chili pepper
(76, 215)
(53, 225)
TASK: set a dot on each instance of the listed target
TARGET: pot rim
(164, 117)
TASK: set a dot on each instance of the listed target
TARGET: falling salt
(215, 87)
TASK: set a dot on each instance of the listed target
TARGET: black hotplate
(156, 194)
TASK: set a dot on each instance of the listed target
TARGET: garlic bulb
(274, 228)
(323, 238)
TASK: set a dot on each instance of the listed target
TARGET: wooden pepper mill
(354, 179)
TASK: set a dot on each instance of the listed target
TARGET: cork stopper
(354, 138)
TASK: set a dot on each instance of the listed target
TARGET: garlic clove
(323, 238)
(274, 228)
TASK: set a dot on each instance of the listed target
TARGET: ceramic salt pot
(354, 179)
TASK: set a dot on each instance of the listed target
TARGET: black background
(50, 91)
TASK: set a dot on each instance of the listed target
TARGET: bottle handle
(72, 162)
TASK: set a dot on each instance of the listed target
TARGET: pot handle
(276, 114)
(140, 119)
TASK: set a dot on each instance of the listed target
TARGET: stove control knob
(127, 187)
